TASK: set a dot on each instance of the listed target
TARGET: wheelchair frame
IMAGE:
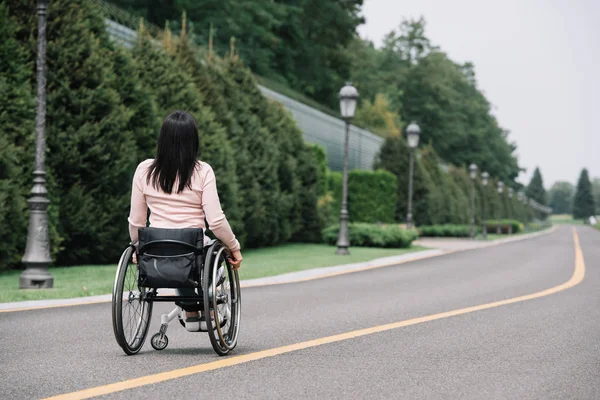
(219, 297)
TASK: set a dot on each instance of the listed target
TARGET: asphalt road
(544, 348)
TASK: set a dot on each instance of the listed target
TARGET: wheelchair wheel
(131, 314)
(222, 300)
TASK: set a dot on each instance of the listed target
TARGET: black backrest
(170, 242)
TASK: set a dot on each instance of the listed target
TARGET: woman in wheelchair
(181, 192)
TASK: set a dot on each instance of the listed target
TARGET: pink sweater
(179, 210)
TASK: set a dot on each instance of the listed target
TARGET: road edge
(288, 278)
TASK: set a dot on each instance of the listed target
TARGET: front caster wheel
(159, 342)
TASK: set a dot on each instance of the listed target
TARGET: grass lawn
(565, 219)
(94, 280)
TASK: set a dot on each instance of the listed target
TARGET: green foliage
(312, 219)
(378, 117)
(583, 202)
(257, 160)
(446, 230)
(437, 199)
(321, 160)
(372, 235)
(424, 85)
(300, 43)
(17, 116)
(561, 197)
(372, 196)
(535, 190)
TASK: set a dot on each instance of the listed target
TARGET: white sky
(537, 61)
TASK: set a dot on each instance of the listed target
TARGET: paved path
(546, 347)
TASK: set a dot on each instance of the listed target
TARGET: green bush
(446, 230)
(373, 235)
(321, 160)
(372, 196)
(311, 219)
(492, 226)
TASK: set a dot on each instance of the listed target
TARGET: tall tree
(17, 116)
(535, 190)
(561, 197)
(583, 203)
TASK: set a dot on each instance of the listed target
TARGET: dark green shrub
(321, 160)
(312, 221)
(446, 230)
(372, 196)
(17, 124)
(373, 235)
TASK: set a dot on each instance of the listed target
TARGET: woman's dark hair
(176, 154)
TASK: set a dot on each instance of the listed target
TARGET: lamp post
(473, 173)
(37, 251)
(348, 97)
(412, 136)
(499, 209)
(510, 199)
(484, 181)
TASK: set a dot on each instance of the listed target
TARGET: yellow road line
(329, 275)
(576, 278)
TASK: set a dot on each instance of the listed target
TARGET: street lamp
(484, 181)
(37, 251)
(510, 204)
(473, 173)
(412, 136)
(499, 211)
(348, 97)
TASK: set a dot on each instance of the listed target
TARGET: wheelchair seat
(170, 258)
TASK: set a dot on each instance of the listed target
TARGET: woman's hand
(235, 259)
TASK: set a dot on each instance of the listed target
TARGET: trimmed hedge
(504, 224)
(447, 230)
(372, 196)
(373, 235)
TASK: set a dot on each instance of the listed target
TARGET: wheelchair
(175, 259)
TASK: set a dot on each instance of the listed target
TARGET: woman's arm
(214, 213)
(138, 213)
